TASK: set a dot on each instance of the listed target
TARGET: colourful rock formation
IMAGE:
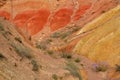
(46, 36)
(5, 14)
(21, 18)
(102, 43)
(36, 17)
(37, 22)
(61, 18)
(81, 11)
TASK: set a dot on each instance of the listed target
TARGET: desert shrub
(117, 68)
(48, 41)
(35, 65)
(73, 69)
(18, 39)
(100, 67)
(41, 46)
(1, 27)
(55, 77)
(15, 65)
(77, 60)
(64, 35)
(56, 35)
(66, 55)
(3, 32)
(22, 51)
(8, 33)
(50, 52)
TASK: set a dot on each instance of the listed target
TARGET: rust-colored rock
(5, 15)
(61, 18)
(37, 22)
(82, 10)
(21, 18)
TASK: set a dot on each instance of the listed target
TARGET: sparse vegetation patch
(49, 41)
(55, 77)
(50, 52)
(56, 35)
(66, 34)
(73, 69)
(66, 55)
(22, 51)
(35, 65)
(77, 60)
(100, 67)
(117, 68)
(1, 27)
(18, 39)
(41, 46)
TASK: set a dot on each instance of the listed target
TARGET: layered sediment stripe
(38, 21)
(61, 18)
(21, 18)
(5, 14)
(81, 11)
(33, 15)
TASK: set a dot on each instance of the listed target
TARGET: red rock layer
(61, 18)
(38, 21)
(21, 18)
(81, 11)
(5, 14)
(34, 15)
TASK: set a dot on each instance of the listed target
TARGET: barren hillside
(59, 39)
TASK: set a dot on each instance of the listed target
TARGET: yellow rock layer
(103, 43)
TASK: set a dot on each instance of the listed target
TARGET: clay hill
(59, 39)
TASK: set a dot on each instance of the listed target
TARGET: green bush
(74, 70)
(55, 77)
(18, 39)
(56, 35)
(117, 68)
(48, 41)
(66, 55)
(35, 65)
(77, 60)
(41, 46)
(22, 51)
(50, 52)
(64, 35)
(1, 27)
(100, 67)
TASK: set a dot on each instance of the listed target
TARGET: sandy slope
(40, 57)
(21, 61)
